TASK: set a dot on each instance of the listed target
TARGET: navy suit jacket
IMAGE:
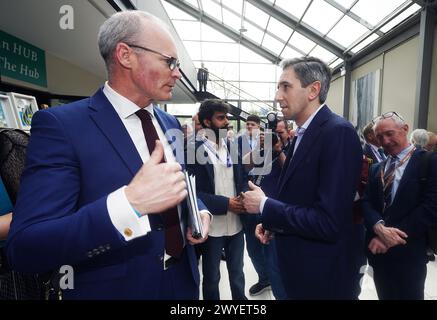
(205, 186)
(77, 155)
(369, 153)
(412, 210)
(312, 210)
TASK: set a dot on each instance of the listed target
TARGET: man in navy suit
(220, 178)
(372, 148)
(311, 214)
(398, 208)
(92, 188)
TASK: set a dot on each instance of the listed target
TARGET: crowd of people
(109, 200)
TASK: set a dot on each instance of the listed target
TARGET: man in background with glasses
(102, 188)
(398, 208)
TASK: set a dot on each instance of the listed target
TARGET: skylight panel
(301, 42)
(231, 20)
(213, 9)
(253, 32)
(322, 16)
(373, 11)
(294, 7)
(236, 5)
(373, 37)
(322, 54)
(347, 31)
(255, 14)
(279, 29)
(401, 17)
(272, 44)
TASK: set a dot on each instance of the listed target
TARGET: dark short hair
(368, 129)
(286, 125)
(309, 70)
(211, 106)
(254, 118)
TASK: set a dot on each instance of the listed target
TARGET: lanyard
(401, 162)
(211, 148)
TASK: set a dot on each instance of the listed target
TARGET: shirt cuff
(379, 221)
(207, 212)
(261, 204)
(124, 218)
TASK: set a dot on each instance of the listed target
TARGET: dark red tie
(173, 234)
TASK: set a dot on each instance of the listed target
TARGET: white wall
(432, 114)
(66, 78)
(335, 96)
(399, 80)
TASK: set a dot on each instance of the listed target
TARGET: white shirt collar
(404, 152)
(122, 105)
(307, 123)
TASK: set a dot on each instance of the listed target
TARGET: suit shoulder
(67, 111)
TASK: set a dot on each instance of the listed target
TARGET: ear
(123, 55)
(207, 123)
(314, 90)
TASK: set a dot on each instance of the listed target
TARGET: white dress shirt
(120, 211)
(228, 224)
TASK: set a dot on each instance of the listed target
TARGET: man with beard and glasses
(220, 178)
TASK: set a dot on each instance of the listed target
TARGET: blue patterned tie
(389, 176)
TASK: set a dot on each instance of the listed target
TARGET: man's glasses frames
(172, 62)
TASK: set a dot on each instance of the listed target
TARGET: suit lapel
(307, 142)
(208, 166)
(108, 121)
(175, 136)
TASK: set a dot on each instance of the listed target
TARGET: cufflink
(128, 232)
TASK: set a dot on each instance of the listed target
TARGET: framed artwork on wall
(7, 115)
(365, 99)
(24, 107)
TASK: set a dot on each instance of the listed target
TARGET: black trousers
(401, 280)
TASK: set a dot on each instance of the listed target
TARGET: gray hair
(395, 117)
(309, 70)
(419, 137)
(122, 26)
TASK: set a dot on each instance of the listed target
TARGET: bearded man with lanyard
(398, 209)
(220, 177)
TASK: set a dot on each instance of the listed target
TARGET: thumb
(158, 153)
(252, 186)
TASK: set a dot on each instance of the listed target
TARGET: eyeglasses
(172, 62)
(387, 115)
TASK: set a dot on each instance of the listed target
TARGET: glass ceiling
(328, 29)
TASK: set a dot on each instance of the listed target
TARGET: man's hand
(390, 236)
(206, 222)
(236, 206)
(264, 236)
(156, 186)
(376, 246)
(252, 198)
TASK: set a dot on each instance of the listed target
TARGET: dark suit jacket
(216, 204)
(243, 145)
(77, 155)
(412, 210)
(368, 152)
(312, 211)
